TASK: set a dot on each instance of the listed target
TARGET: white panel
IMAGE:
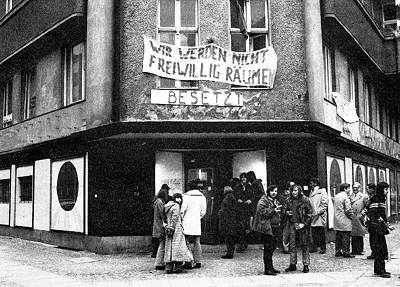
(364, 181)
(4, 174)
(25, 171)
(4, 213)
(169, 170)
(5, 207)
(41, 216)
(375, 174)
(341, 164)
(250, 160)
(87, 193)
(12, 198)
(348, 168)
(61, 219)
(23, 210)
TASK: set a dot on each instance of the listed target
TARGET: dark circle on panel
(67, 186)
(335, 178)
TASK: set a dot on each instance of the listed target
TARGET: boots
(292, 267)
(306, 269)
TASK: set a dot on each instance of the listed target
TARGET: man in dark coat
(244, 211)
(227, 221)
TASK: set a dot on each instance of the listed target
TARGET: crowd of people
(288, 219)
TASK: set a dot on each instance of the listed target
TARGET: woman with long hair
(299, 212)
(378, 228)
(266, 222)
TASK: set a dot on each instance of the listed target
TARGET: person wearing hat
(227, 221)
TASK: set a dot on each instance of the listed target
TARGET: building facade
(88, 138)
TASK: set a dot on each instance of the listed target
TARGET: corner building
(88, 138)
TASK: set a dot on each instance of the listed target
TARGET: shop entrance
(212, 170)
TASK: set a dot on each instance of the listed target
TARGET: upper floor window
(74, 73)
(390, 15)
(28, 103)
(367, 101)
(353, 88)
(329, 72)
(178, 25)
(6, 93)
(9, 5)
(249, 25)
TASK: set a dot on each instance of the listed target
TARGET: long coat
(244, 210)
(227, 215)
(342, 212)
(359, 202)
(159, 219)
(194, 207)
(175, 245)
(265, 213)
(319, 204)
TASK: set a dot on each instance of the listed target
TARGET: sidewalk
(28, 264)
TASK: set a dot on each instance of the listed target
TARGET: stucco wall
(287, 100)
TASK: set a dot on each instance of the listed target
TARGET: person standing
(378, 228)
(159, 218)
(227, 221)
(319, 204)
(176, 251)
(244, 211)
(194, 208)
(342, 221)
(266, 222)
(284, 198)
(299, 211)
(359, 203)
(371, 187)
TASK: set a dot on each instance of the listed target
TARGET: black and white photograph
(199, 143)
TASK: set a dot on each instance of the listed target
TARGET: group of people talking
(288, 219)
(291, 219)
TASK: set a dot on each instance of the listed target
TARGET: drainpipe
(99, 65)
(314, 59)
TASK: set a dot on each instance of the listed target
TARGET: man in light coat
(359, 204)
(342, 223)
(193, 209)
(319, 204)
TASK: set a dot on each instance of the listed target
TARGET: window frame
(27, 77)
(7, 95)
(367, 102)
(9, 6)
(178, 30)
(24, 196)
(249, 29)
(67, 60)
(329, 72)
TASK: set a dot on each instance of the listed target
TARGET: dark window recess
(389, 12)
(67, 186)
(5, 191)
(25, 187)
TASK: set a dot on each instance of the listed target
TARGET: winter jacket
(227, 215)
(194, 207)
(303, 210)
(319, 204)
(244, 210)
(158, 219)
(343, 213)
(359, 202)
(265, 214)
(175, 245)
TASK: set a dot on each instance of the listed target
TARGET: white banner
(211, 63)
(345, 109)
(222, 98)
